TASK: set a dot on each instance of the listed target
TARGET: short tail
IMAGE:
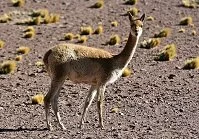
(45, 59)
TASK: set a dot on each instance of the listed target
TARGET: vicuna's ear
(142, 17)
(130, 16)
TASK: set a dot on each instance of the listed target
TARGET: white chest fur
(114, 76)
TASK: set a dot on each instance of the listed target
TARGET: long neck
(123, 59)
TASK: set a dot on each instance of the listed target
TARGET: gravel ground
(159, 100)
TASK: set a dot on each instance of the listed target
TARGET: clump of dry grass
(127, 72)
(52, 18)
(38, 99)
(23, 50)
(29, 34)
(186, 21)
(55, 18)
(150, 18)
(190, 3)
(115, 110)
(2, 44)
(193, 33)
(86, 30)
(114, 40)
(192, 63)
(151, 43)
(36, 21)
(114, 24)
(168, 53)
(133, 11)
(99, 30)
(131, 2)
(5, 18)
(7, 67)
(77, 36)
(82, 39)
(40, 12)
(163, 33)
(69, 36)
(39, 63)
(18, 3)
(29, 29)
(18, 58)
(44, 16)
(98, 4)
(182, 30)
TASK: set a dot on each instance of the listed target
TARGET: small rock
(120, 113)
(181, 110)
(171, 76)
(1, 108)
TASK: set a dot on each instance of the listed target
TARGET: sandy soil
(158, 101)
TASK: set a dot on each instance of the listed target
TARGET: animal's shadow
(4, 130)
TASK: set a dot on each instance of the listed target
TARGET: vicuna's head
(136, 25)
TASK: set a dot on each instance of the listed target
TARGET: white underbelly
(114, 76)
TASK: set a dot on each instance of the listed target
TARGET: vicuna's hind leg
(54, 103)
(100, 99)
(89, 99)
(54, 88)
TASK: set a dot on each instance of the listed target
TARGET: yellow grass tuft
(192, 63)
(98, 4)
(193, 33)
(133, 11)
(29, 34)
(163, 33)
(86, 30)
(18, 58)
(36, 21)
(54, 18)
(186, 21)
(182, 30)
(190, 3)
(150, 18)
(99, 30)
(82, 39)
(2, 44)
(38, 99)
(77, 36)
(18, 3)
(168, 53)
(5, 18)
(114, 24)
(30, 28)
(115, 39)
(151, 43)
(23, 50)
(69, 36)
(7, 67)
(41, 12)
(39, 63)
(115, 110)
(127, 72)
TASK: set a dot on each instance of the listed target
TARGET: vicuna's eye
(141, 26)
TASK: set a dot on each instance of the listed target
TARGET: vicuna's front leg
(100, 99)
(52, 97)
(89, 99)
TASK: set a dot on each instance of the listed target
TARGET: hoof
(49, 127)
(63, 128)
(101, 126)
